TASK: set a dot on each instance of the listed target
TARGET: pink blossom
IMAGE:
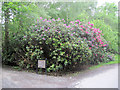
(100, 40)
(58, 19)
(81, 29)
(101, 43)
(82, 26)
(53, 19)
(48, 28)
(68, 26)
(72, 22)
(41, 18)
(76, 24)
(89, 47)
(86, 32)
(50, 21)
(72, 29)
(104, 45)
(71, 34)
(92, 24)
(35, 25)
(43, 38)
(88, 22)
(64, 24)
(99, 31)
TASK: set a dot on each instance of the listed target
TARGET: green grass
(116, 61)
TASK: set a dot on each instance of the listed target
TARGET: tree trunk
(6, 28)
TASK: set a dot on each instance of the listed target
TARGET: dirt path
(103, 77)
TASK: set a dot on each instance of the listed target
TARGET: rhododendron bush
(64, 46)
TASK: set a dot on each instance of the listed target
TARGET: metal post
(46, 66)
(37, 67)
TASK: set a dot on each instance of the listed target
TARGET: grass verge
(116, 61)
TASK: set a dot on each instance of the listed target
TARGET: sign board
(41, 63)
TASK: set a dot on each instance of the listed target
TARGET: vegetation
(67, 34)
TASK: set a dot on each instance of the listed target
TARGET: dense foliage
(63, 45)
(66, 43)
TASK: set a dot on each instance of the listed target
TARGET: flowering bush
(64, 46)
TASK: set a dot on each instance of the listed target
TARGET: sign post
(41, 64)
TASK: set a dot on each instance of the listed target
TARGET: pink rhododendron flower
(77, 21)
(81, 26)
(53, 19)
(72, 22)
(71, 34)
(101, 43)
(50, 21)
(88, 22)
(48, 28)
(81, 29)
(35, 25)
(58, 19)
(99, 31)
(76, 24)
(89, 47)
(92, 24)
(64, 24)
(86, 32)
(104, 45)
(43, 38)
(41, 18)
(72, 29)
(68, 26)
(90, 27)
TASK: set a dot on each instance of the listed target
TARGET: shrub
(65, 46)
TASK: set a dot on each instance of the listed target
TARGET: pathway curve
(103, 77)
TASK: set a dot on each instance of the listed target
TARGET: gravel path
(103, 77)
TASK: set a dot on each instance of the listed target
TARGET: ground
(103, 77)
